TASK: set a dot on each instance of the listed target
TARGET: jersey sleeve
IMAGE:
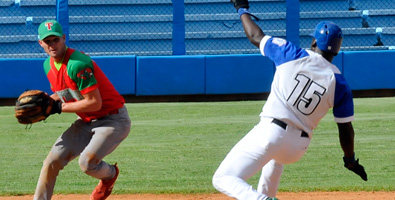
(47, 67)
(343, 108)
(83, 75)
(280, 51)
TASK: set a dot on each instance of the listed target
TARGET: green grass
(176, 147)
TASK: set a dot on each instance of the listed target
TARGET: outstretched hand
(353, 165)
(240, 4)
(242, 8)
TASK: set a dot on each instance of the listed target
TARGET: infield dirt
(281, 196)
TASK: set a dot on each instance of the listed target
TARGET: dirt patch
(281, 196)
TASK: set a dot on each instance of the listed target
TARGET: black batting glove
(240, 4)
(242, 8)
(353, 165)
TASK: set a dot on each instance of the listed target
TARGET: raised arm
(253, 32)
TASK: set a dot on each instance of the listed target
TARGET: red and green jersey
(78, 75)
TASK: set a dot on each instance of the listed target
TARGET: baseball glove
(34, 105)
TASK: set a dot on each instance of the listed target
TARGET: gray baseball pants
(92, 142)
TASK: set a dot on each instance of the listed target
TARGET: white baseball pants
(266, 147)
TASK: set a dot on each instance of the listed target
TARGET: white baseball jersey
(305, 86)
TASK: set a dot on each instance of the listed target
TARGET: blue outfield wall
(238, 74)
(370, 70)
(170, 75)
(18, 75)
(121, 70)
(187, 75)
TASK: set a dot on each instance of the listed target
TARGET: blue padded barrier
(170, 75)
(19, 75)
(120, 70)
(338, 61)
(184, 75)
(369, 70)
(238, 74)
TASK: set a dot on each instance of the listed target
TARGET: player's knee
(88, 163)
(216, 181)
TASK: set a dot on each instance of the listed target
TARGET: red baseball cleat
(104, 188)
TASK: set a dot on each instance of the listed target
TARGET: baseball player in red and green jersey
(80, 87)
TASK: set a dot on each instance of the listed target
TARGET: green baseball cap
(48, 28)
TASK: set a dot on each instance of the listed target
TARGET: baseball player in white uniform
(305, 86)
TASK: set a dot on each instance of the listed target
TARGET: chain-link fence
(146, 27)
(366, 24)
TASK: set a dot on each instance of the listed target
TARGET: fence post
(62, 16)
(292, 21)
(178, 41)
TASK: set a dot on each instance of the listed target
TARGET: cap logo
(49, 25)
